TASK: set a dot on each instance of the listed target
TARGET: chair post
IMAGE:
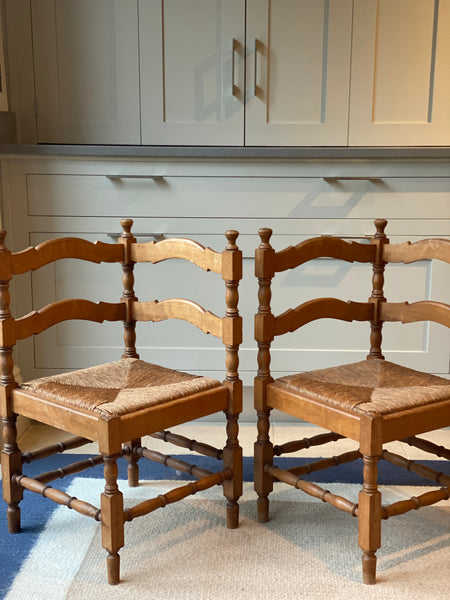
(112, 519)
(377, 297)
(232, 338)
(129, 333)
(263, 449)
(11, 455)
(369, 502)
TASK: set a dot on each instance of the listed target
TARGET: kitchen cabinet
(235, 73)
(400, 85)
(86, 71)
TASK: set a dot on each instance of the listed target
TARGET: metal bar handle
(234, 88)
(256, 88)
(119, 176)
(339, 178)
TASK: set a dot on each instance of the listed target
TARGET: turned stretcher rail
(296, 445)
(70, 444)
(184, 442)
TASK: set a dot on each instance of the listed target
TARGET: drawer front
(260, 198)
(179, 345)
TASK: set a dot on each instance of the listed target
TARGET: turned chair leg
(369, 518)
(232, 460)
(133, 467)
(112, 519)
(11, 464)
(263, 455)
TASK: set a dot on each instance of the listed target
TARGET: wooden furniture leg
(12, 464)
(263, 455)
(369, 518)
(232, 459)
(112, 519)
(132, 458)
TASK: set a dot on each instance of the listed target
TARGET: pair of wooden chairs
(115, 405)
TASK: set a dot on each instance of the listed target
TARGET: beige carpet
(185, 552)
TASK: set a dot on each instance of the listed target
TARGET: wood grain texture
(31, 259)
(331, 247)
(155, 252)
(409, 252)
(321, 308)
(64, 310)
(178, 308)
(425, 310)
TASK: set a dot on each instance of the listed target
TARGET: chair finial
(231, 236)
(380, 224)
(126, 226)
(265, 234)
(2, 239)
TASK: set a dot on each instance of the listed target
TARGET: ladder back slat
(178, 308)
(409, 252)
(65, 310)
(321, 308)
(425, 310)
(155, 252)
(323, 247)
(31, 259)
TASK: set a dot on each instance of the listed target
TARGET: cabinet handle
(117, 177)
(333, 179)
(157, 237)
(234, 48)
(256, 87)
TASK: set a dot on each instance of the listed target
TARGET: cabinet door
(192, 71)
(298, 69)
(400, 90)
(86, 71)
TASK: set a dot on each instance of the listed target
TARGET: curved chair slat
(178, 308)
(66, 310)
(322, 308)
(323, 247)
(32, 258)
(409, 252)
(155, 252)
(425, 310)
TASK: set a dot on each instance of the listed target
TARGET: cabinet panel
(298, 71)
(86, 71)
(192, 71)
(237, 197)
(400, 86)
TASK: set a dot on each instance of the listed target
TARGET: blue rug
(36, 510)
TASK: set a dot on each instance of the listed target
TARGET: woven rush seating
(117, 403)
(373, 401)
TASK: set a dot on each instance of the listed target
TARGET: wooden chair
(115, 404)
(372, 402)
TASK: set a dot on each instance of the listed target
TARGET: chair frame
(370, 430)
(121, 436)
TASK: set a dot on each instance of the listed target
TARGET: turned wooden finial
(265, 234)
(2, 239)
(126, 226)
(380, 225)
(231, 236)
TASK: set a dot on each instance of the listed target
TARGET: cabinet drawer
(237, 197)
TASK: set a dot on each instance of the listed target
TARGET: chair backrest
(378, 252)
(128, 309)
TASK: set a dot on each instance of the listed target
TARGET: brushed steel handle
(338, 178)
(256, 87)
(118, 176)
(157, 237)
(234, 48)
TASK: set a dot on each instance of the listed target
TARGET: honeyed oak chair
(373, 401)
(115, 404)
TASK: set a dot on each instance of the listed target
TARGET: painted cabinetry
(235, 73)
